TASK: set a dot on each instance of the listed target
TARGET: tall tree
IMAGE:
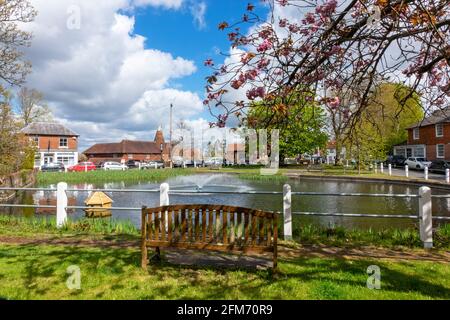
(10, 147)
(32, 107)
(301, 125)
(13, 66)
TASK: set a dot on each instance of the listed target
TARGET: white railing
(424, 213)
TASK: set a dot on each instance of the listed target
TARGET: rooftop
(48, 129)
(438, 116)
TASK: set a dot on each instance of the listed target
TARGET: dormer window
(439, 130)
(416, 134)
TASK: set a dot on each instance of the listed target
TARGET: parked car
(53, 167)
(177, 161)
(153, 165)
(82, 166)
(214, 161)
(132, 164)
(439, 166)
(417, 163)
(114, 166)
(395, 161)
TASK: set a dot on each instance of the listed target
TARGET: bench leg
(144, 257)
(158, 254)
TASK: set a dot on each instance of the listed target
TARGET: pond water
(212, 182)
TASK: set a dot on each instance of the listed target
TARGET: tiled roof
(48, 129)
(126, 146)
(438, 116)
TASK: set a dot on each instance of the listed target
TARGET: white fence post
(376, 168)
(426, 173)
(382, 168)
(406, 171)
(390, 169)
(164, 195)
(61, 204)
(85, 167)
(447, 175)
(287, 212)
(425, 216)
(164, 200)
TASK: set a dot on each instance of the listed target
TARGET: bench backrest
(214, 227)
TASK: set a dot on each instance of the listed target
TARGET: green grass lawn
(39, 272)
(101, 176)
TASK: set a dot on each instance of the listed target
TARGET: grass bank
(100, 176)
(303, 233)
(40, 272)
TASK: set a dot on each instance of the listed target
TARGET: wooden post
(144, 239)
(390, 169)
(406, 171)
(61, 204)
(426, 173)
(287, 212)
(382, 168)
(447, 175)
(425, 216)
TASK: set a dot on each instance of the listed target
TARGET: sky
(109, 69)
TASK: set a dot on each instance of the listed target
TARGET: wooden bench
(209, 227)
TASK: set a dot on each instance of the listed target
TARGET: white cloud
(98, 78)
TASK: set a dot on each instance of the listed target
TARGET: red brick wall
(428, 135)
(72, 143)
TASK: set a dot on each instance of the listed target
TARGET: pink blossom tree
(336, 52)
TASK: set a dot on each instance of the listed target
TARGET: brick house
(55, 143)
(157, 150)
(429, 138)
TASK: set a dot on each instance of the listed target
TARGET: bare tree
(13, 66)
(32, 107)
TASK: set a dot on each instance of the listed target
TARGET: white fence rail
(424, 215)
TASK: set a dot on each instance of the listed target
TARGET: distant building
(156, 150)
(332, 153)
(55, 143)
(429, 138)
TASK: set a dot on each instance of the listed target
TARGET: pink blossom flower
(266, 45)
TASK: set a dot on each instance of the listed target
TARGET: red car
(82, 167)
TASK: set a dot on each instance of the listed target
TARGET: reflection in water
(214, 182)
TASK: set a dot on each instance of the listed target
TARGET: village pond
(235, 185)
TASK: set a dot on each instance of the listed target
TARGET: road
(416, 174)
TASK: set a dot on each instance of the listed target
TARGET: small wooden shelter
(99, 203)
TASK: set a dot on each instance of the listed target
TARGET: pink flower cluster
(327, 9)
(254, 93)
(264, 46)
(334, 103)
(209, 63)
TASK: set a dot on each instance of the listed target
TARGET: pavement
(416, 174)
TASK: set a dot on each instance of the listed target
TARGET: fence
(424, 213)
(425, 171)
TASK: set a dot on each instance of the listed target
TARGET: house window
(63, 143)
(419, 152)
(416, 134)
(440, 151)
(439, 130)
